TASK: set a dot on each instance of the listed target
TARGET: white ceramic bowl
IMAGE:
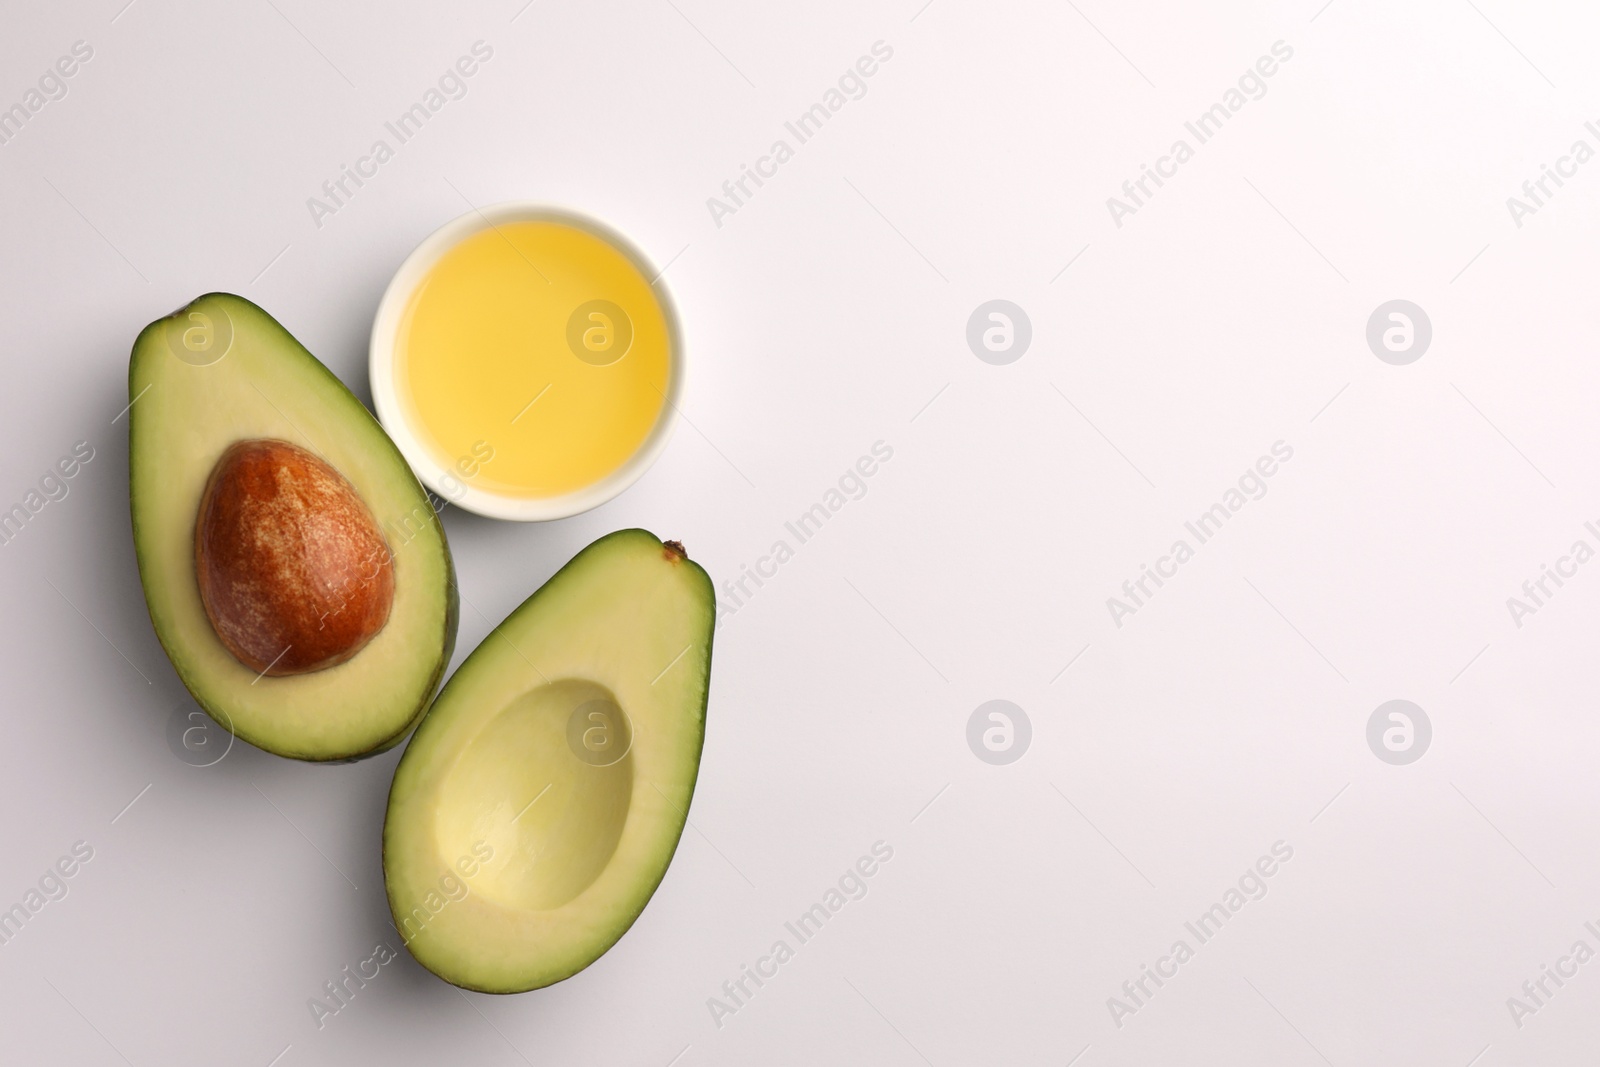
(396, 417)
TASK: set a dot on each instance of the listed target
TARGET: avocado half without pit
(538, 805)
(295, 571)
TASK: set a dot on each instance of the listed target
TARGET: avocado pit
(294, 572)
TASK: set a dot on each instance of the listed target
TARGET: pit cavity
(547, 784)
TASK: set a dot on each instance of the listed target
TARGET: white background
(1229, 713)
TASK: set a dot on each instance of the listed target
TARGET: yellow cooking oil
(534, 356)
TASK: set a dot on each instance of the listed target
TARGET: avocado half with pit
(538, 805)
(296, 572)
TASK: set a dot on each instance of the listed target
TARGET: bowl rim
(393, 415)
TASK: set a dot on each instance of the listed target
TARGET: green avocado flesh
(220, 371)
(539, 803)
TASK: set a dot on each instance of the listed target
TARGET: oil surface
(534, 357)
